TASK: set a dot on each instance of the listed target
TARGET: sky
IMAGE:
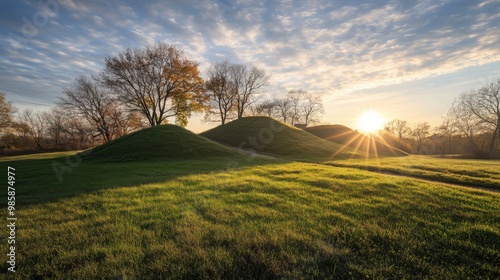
(404, 59)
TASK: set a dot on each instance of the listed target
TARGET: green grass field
(267, 219)
(466, 172)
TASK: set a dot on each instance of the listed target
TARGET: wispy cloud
(326, 47)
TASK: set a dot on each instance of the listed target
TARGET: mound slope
(359, 142)
(266, 135)
(159, 142)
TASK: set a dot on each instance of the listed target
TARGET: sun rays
(365, 141)
(371, 122)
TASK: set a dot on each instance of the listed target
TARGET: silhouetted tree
(447, 131)
(482, 106)
(311, 108)
(298, 106)
(283, 108)
(420, 132)
(295, 97)
(35, 126)
(56, 125)
(222, 91)
(398, 128)
(467, 126)
(88, 99)
(249, 81)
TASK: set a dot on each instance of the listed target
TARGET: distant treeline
(471, 128)
(148, 87)
(155, 84)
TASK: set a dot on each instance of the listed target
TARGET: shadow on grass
(51, 179)
(436, 175)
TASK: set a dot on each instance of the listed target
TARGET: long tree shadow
(48, 180)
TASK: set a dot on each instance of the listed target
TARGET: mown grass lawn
(269, 219)
(467, 172)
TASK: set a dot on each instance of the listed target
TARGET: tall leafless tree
(249, 81)
(467, 126)
(35, 124)
(295, 98)
(420, 132)
(88, 99)
(311, 108)
(298, 106)
(56, 125)
(483, 105)
(222, 91)
(283, 108)
(447, 131)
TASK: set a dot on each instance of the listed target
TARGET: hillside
(159, 142)
(345, 136)
(266, 135)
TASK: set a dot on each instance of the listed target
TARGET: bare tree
(468, 126)
(88, 99)
(249, 81)
(78, 133)
(447, 130)
(298, 106)
(35, 125)
(483, 104)
(222, 91)
(398, 128)
(295, 97)
(264, 108)
(158, 82)
(283, 108)
(56, 124)
(420, 132)
(311, 108)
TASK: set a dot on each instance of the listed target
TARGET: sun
(371, 122)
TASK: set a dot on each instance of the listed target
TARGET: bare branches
(232, 89)
(249, 81)
(88, 99)
(478, 111)
(222, 91)
(420, 132)
(297, 107)
(311, 108)
(35, 126)
(283, 108)
(158, 82)
(398, 128)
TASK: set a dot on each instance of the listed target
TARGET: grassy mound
(266, 135)
(345, 136)
(159, 142)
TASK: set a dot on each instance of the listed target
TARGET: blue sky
(405, 59)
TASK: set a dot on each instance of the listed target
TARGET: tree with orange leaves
(158, 81)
